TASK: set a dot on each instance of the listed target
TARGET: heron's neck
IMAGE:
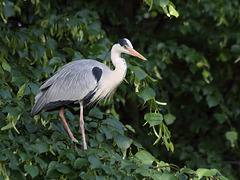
(119, 63)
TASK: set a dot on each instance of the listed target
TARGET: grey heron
(83, 82)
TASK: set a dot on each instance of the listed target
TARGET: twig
(157, 167)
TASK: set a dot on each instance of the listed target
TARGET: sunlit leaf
(149, 3)
(130, 128)
(232, 136)
(21, 90)
(5, 65)
(172, 11)
(163, 3)
(206, 172)
(145, 157)
(12, 121)
(187, 170)
(153, 118)
(207, 76)
(237, 60)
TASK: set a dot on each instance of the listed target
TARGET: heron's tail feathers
(39, 104)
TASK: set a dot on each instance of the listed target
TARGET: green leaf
(172, 11)
(95, 112)
(52, 44)
(169, 118)
(8, 8)
(163, 3)
(156, 177)
(40, 147)
(237, 60)
(14, 111)
(21, 90)
(41, 161)
(63, 168)
(145, 157)
(116, 124)
(143, 172)
(207, 76)
(212, 101)
(208, 90)
(201, 172)
(146, 94)
(153, 118)
(128, 165)
(5, 92)
(80, 162)
(12, 123)
(5, 65)
(130, 128)
(149, 3)
(220, 117)
(38, 49)
(107, 132)
(167, 176)
(187, 170)
(94, 28)
(55, 61)
(32, 170)
(34, 88)
(77, 56)
(232, 136)
(95, 162)
(152, 80)
(17, 76)
(1, 70)
(140, 73)
(84, 175)
(51, 171)
(123, 143)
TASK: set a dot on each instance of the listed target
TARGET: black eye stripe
(122, 42)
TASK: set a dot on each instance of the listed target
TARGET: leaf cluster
(186, 97)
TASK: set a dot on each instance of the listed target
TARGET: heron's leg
(82, 126)
(66, 125)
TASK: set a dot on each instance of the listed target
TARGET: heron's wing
(74, 82)
(71, 83)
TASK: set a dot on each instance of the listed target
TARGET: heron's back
(74, 82)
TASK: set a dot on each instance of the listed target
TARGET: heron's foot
(74, 140)
(84, 146)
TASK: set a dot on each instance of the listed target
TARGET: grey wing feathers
(72, 82)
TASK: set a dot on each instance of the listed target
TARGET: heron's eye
(125, 46)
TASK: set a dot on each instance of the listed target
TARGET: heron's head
(125, 46)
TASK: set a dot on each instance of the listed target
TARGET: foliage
(189, 86)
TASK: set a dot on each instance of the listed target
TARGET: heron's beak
(135, 53)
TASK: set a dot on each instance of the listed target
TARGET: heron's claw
(74, 140)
